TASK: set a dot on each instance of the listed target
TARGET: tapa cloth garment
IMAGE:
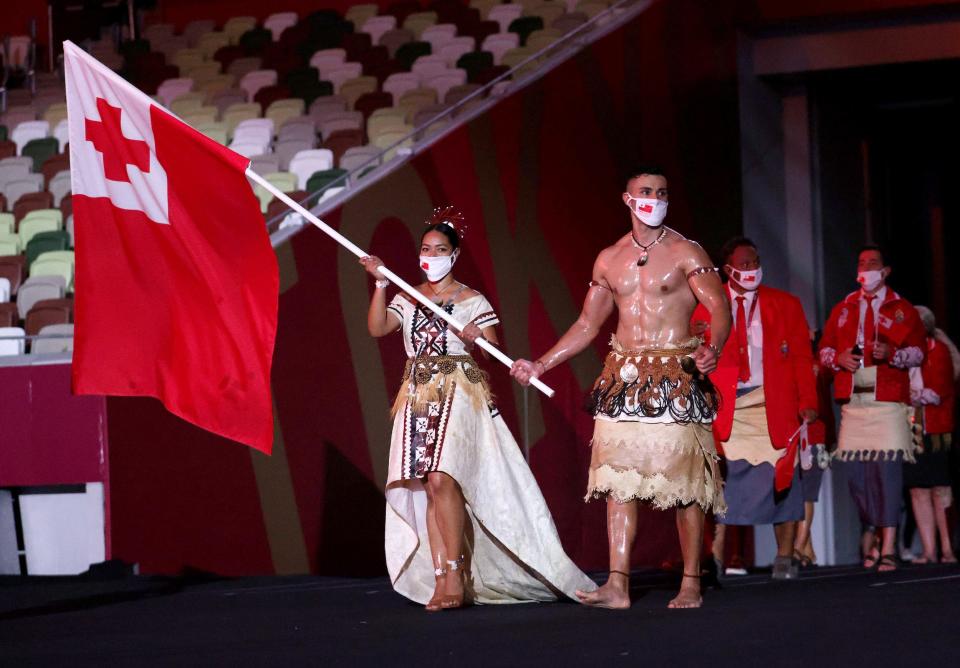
(513, 552)
(751, 499)
(749, 436)
(872, 430)
(652, 439)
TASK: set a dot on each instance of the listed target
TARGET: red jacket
(937, 373)
(789, 384)
(898, 325)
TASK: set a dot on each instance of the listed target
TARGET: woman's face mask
(437, 266)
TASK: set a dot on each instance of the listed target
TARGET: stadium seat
(251, 82)
(4, 292)
(37, 288)
(54, 165)
(234, 27)
(283, 181)
(322, 180)
(200, 115)
(305, 163)
(55, 263)
(287, 149)
(505, 15)
(385, 118)
(9, 244)
(548, 12)
(29, 228)
(7, 223)
(415, 100)
(341, 120)
(43, 242)
(400, 83)
(265, 164)
(14, 190)
(341, 140)
(210, 42)
(419, 22)
(277, 23)
(394, 39)
(13, 268)
(40, 150)
(358, 14)
(281, 111)
(255, 41)
(325, 60)
(438, 35)
(368, 103)
(353, 89)
(453, 50)
(28, 131)
(170, 89)
(392, 140)
(474, 63)
(55, 113)
(47, 312)
(60, 339)
(301, 127)
(186, 102)
(236, 113)
(11, 341)
(444, 81)
(376, 26)
(461, 92)
(408, 54)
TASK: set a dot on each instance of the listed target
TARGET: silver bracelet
(381, 283)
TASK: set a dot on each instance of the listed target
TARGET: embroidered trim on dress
(663, 493)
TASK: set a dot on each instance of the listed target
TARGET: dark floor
(840, 616)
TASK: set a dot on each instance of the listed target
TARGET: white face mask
(437, 266)
(650, 211)
(749, 279)
(870, 280)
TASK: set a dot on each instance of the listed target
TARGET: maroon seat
(276, 207)
(227, 54)
(403, 9)
(66, 206)
(8, 314)
(489, 74)
(53, 166)
(385, 69)
(48, 312)
(481, 31)
(338, 142)
(270, 94)
(31, 202)
(370, 102)
(373, 57)
(8, 149)
(355, 43)
(13, 268)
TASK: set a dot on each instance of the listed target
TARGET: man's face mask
(650, 211)
(437, 266)
(871, 279)
(748, 278)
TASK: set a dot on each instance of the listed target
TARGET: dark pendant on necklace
(643, 259)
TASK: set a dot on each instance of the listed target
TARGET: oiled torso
(654, 302)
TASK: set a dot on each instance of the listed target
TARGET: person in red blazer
(767, 392)
(932, 390)
(870, 341)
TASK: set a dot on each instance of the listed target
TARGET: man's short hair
(733, 244)
(873, 247)
(640, 170)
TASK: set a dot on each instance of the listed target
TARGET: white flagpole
(396, 280)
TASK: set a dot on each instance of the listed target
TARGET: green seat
(9, 244)
(29, 228)
(3, 133)
(44, 242)
(55, 263)
(525, 25)
(41, 150)
(55, 215)
(409, 52)
(285, 182)
(255, 40)
(474, 63)
(320, 181)
(6, 223)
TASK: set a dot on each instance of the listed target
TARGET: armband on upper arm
(701, 270)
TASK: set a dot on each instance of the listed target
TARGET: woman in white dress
(465, 518)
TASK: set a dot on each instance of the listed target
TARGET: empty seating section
(307, 98)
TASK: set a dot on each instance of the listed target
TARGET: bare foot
(924, 559)
(688, 597)
(948, 559)
(608, 596)
(887, 563)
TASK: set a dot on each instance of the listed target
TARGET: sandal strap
(455, 565)
(439, 572)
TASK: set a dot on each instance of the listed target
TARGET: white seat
(255, 80)
(500, 43)
(31, 183)
(59, 186)
(305, 163)
(327, 59)
(341, 120)
(505, 15)
(342, 72)
(4, 290)
(399, 83)
(69, 227)
(265, 164)
(37, 288)
(305, 129)
(60, 341)
(27, 131)
(359, 156)
(171, 89)
(260, 126)
(428, 66)
(377, 25)
(287, 149)
(445, 81)
(62, 133)
(249, 149)
(452, 50)
(277, 23)
(12, 341)
(12, 172)
(438, 35)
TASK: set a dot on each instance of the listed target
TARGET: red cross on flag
(176, 281)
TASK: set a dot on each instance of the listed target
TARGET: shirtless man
(652, 407)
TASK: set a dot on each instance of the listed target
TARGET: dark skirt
(810, 482)
(749, 491)
(932, 468)
(877, 490)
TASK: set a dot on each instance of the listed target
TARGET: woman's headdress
(451, 217)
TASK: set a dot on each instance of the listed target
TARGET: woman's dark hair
(445, 230)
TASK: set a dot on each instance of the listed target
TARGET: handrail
(281, 231)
